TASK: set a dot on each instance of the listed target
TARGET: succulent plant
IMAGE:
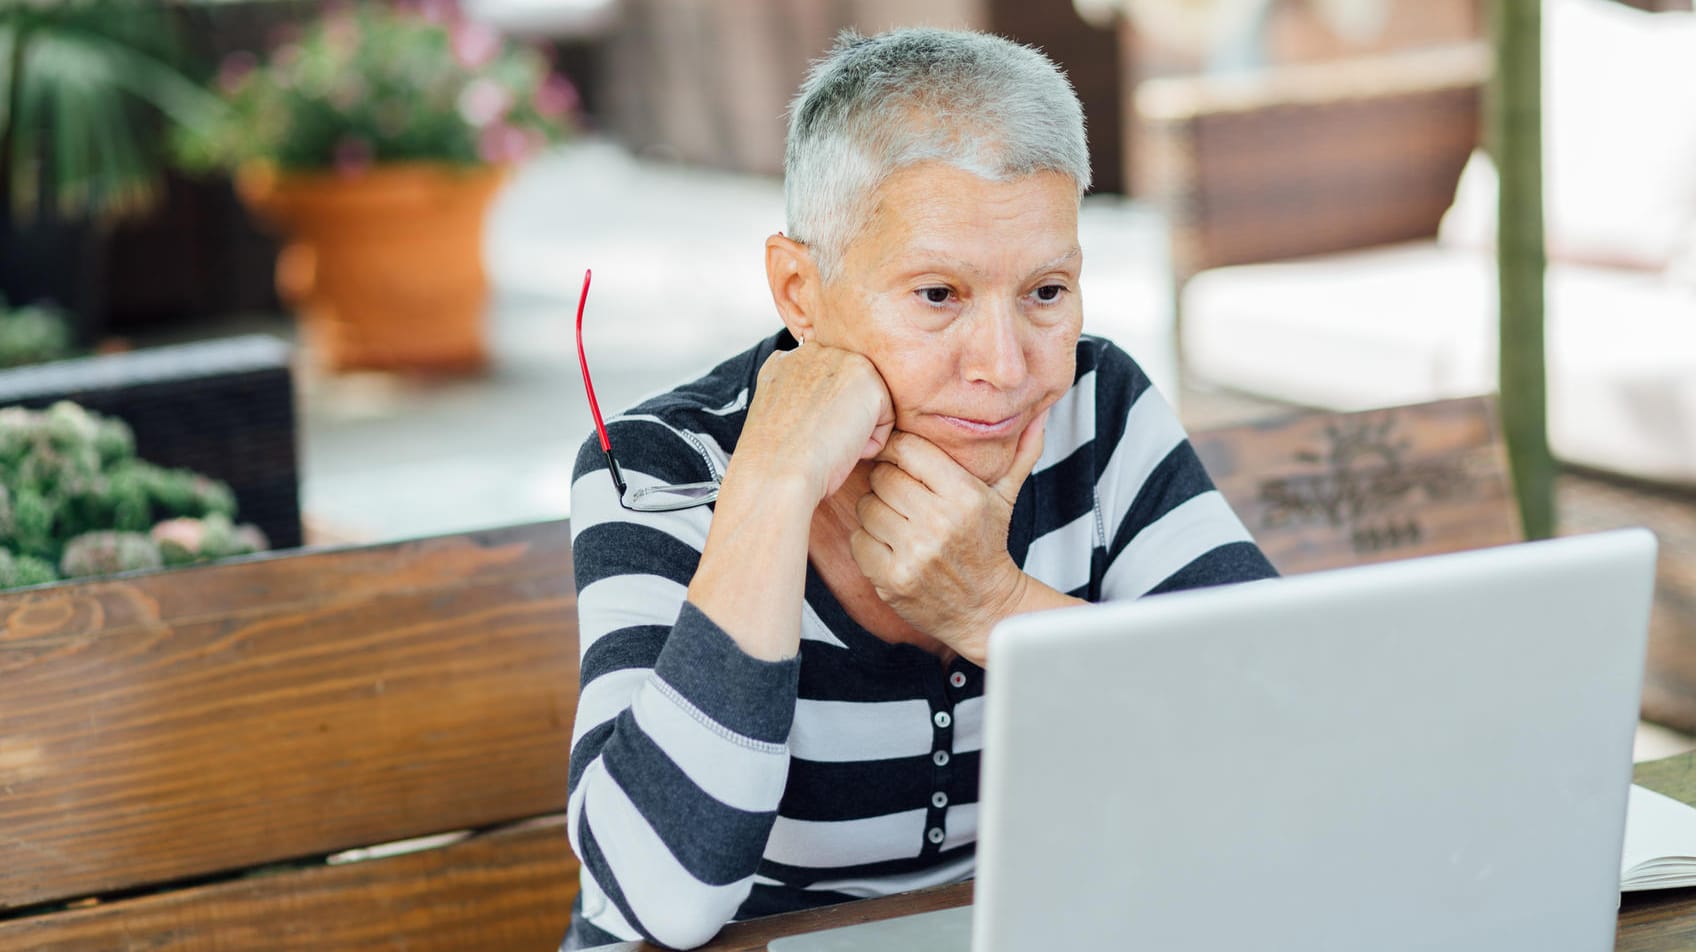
(69, 426)
(20, 570)
(182, 492)
(75, 501)
(17, 434)
(102, 553)
(113, 440)
(33, 517)
(182, 541)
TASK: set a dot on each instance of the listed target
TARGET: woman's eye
(1049, 293)
(936, 295)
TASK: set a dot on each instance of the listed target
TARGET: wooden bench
(188, 758)
(183, 755)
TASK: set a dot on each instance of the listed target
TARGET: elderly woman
(781, 700)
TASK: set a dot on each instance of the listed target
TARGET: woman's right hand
(817, 411)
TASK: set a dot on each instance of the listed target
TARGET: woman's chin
(988, 460)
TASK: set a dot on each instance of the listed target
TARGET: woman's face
(963, 292)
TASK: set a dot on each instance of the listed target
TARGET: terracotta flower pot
(384, 268)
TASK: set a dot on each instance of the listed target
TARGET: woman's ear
(794, 280)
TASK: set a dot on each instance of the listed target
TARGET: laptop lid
(1428, 754)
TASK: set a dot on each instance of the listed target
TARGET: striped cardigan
(708, 786)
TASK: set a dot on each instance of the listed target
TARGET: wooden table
(1662, 920)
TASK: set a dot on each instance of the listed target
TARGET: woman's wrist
(753, 567)
(751, 482)
(1026, 595)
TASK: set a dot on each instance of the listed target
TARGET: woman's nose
(995, 352)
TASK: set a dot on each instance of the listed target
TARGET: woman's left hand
(933, 539)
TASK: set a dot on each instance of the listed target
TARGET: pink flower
(235, 69)
(341, 30)
(353, 156)
(475, 45)
(438, 11)
(484, 101)
(184, 532)
(557, 97)
(285, 64)
(501, 144)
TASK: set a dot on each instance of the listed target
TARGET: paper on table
(1660, 842)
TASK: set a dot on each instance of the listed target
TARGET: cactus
(33, 518)
(17, 435)
(131, 511)
(102, 553)
(68, 426)
(187, 540)
(20, 570)
(114, 440)
(75, 501)
(182, 492)
(54, 469)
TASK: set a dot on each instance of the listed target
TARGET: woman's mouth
(983, 428)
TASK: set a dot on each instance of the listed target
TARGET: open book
(1660, 843)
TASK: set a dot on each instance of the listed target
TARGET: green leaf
(89, 69)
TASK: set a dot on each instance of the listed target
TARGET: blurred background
(310, 268)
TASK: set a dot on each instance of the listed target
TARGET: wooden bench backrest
(1326, 490)
(174, 728)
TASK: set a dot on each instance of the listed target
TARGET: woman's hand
(817, 412)
(933, 540)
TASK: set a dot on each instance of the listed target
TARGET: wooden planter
(384, 268)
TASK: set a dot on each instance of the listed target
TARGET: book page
(1660, 842)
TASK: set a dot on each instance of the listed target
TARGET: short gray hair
(874, 105)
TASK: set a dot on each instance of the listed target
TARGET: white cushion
(1411, 323)
(1386, 326)
(1619, 139)
(1622, 372)
(1126, 285)
(554, 19)
(1682, 269)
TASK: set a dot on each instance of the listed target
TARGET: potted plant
(374, 142)
(85, 86)
(75, 501)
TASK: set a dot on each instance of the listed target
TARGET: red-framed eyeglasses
(659, 498)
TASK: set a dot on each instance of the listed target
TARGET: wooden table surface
(1661, 920)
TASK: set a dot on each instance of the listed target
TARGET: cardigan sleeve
(679, 751)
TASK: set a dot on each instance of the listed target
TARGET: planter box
(222, 408)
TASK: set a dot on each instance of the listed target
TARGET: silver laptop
(1431, 754)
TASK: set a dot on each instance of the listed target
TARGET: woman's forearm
(753, 570)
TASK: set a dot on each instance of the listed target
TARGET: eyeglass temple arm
(589, 388)
(612, 467)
